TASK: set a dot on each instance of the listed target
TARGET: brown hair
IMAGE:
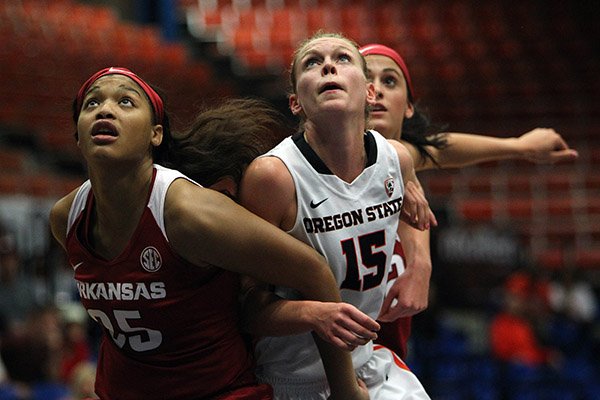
(224, 139)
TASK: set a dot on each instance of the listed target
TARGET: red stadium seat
(480, 184)
(12, 160)
(522, 208)
(519, 184)
(552, 258)
(588, 258)
(439, 184)
(10, 183)
(476, 209)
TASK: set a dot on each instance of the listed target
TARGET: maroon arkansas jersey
(170, 327)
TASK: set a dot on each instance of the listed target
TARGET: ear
(157, 135)
(371, 95)
(410, 110)
(227, 186)
(294, 104)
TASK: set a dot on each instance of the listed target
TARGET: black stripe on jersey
(318, 164)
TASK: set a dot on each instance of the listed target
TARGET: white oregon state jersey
(354, 226)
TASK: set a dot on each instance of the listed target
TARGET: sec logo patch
(150, 259)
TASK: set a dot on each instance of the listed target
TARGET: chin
(381, 128)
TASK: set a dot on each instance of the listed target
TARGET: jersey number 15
(373, 260)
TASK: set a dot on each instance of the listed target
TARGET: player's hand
(415, 208)
(409, 295)
(342, 324)
(545, 146)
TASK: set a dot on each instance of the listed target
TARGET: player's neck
(344, 155)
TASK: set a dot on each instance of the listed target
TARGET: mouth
(104, 128)
(330, 86)
(378, 108)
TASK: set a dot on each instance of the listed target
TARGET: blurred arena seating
(50, 47)
(491, 68)
(481, 66)
(487, 68)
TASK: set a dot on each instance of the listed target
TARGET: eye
(345, 57)
(309, 62)
(126, 101)
(91, 103)
(390, 81)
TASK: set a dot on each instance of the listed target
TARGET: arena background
(492, 67)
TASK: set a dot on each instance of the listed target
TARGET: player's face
(329, 78)
(116, 121)
(391, 102)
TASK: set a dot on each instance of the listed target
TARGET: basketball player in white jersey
(340, 189)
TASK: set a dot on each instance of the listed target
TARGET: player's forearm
(338, 369)
(416, 247)
(468, 149)
(266, 314)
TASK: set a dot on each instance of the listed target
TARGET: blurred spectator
(45, 326)
(28, 355)
(17, 296)
(513, 336)
(82, 381)
(573, 297)
(76, 347)
(42, 355)
(575, 311)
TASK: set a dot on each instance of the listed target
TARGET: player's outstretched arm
(540, 146)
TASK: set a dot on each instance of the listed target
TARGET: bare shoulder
(269, 173)
(404, 154)
(186, 203)
(59, 215)
(267, 189)
(421, 163)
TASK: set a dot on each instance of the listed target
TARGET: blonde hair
(320, 35)
(300, 49)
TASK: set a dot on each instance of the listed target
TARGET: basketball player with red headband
(152, 257)
(395, 115)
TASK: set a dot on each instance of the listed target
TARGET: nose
(105, 110)
(328, 67)
(378, 91)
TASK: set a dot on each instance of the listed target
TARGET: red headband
(155, 100)
(379, 49)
